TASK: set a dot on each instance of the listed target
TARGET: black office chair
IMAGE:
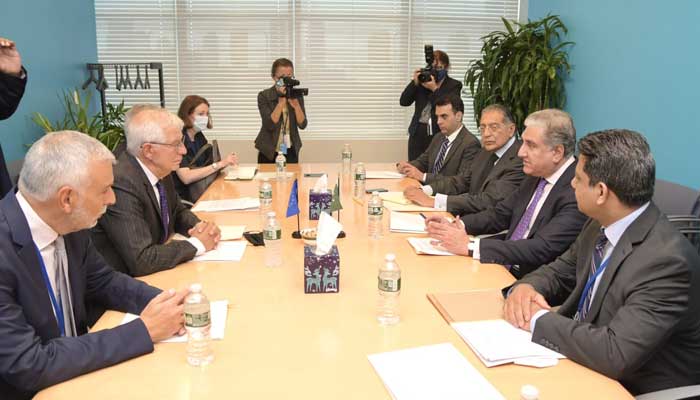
(685, 392)
(675, 199)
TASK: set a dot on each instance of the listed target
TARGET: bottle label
(197, 320)
(265, 194)
(373, 210)
(389, 285)
(360, 177)
(273, 234)
(347, 155)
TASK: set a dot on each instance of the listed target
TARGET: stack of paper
(394, 197)
(241, 173)
(497, 342)
(383, 175)
(244, 203)
(406, 223)
(232, 232)
(271, 175)
(431, 372)
(423, 246)
(224, 251)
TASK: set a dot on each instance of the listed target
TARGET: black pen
(423, 215)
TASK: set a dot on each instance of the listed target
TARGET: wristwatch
(215, 166)
(470, 247)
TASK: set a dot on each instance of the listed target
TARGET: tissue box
(321, 273)
(318, 203)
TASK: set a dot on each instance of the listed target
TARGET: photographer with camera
(282, 112)
(428, 84)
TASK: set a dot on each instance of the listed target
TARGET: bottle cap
(529, 392)
(271, 214)
(390, 257)
(196, 287)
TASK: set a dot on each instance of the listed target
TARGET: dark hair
(622, 160)
(442, 57)
(505, 111)
(187, 107)
(453, 99)
(280, 62)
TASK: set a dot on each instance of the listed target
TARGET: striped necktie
(596, 260)
(64, 294)
(441, 156)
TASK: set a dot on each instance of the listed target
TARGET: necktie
(64, 294)
(596, 260)
(164, 211)
(524, 223)
(441, 156)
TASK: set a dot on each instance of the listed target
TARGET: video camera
(428, 71)
(292, 91)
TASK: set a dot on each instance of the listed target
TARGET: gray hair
(505, 112)
(558, 126)
(60, 159)
(146, 123)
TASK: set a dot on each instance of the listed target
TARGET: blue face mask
(441, 74)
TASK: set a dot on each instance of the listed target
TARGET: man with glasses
(133, 235)
(495, 172)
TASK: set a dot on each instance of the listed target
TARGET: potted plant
(523, 68)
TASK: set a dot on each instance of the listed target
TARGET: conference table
(282, 343)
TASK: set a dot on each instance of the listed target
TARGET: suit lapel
(455, 147)
(504, 162)
(140, 175)
(562, 183)
(530, 183)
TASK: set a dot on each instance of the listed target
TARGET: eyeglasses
(490, 127)
(174, 145)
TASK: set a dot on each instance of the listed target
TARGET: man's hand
(415, 77)
(522, 303)
(410, 171)
(449, 235)
(207, 233)
(10, 61)
(163, 315)
(294, 103)
(431, 84)
(416, 195)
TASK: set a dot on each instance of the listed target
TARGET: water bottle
(347, 159)
(389, 285)
(529, 392)
(375, 212)
(360, 176)
(265, 195)
(281, 165)
(198, 326)
(273, 241)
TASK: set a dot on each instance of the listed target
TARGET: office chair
(675, 199)
(685, 392)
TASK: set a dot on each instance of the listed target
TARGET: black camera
(429, 70)
(292, 91)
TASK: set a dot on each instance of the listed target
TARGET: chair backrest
(675, 199)
(689, 226)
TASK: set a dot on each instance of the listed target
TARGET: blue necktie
(596, 260)
(441, 156)
(164, 211)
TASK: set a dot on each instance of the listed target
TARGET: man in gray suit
(629, 287)
(133, 234)
(451, 152)
(495, 172)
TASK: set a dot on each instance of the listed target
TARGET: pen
(423, 215)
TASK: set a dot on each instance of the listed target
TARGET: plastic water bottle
(375, 212)
(360, 175)
(273, 241)
(265, 195)
(389, 285)
(529, 392)
(281, 165)
(347, 158)
(198, 326)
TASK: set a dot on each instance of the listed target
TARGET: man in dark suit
(451, 152)
(13, 79)
(541, 215)
(629, 287)
(133, 234)
(50, 273)
(495, 172)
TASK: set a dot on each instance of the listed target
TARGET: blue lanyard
(58, 309)
(589, 284)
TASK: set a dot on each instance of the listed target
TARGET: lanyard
(589, 285)
(57, 308)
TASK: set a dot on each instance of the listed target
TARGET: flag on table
(293, 205)
(335, 202)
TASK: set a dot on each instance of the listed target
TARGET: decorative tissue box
(318, 203)
(321, 273)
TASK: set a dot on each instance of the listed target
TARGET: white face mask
(201, 122)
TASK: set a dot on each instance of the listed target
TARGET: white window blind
(355, 57)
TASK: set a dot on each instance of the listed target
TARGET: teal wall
(55, 40)
(636, 65)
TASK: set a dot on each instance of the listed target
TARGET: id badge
(283, 148)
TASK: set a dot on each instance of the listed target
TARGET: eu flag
(293, 205)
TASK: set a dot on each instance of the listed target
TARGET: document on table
(497, 342)
(241, 173)
(243, 203)
(232, 232)
(423, 246)
(219, 311)
(406, 223)
(224, 251)
(383, 175)
(437, 371)
(271, 175)
(395, 197)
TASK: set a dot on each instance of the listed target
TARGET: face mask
(441, 74)
(201, 122)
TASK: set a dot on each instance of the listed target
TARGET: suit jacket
(33, 356)
(457, 160)
(556, 226)
(643, 327)
(475, 191)
(128, 235)
(268, 136)
(11, 92)
(422, 96)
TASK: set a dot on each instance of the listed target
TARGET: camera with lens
(429, 70)
(292, 91)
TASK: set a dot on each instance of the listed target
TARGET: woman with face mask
(194, 112)
(424, 125)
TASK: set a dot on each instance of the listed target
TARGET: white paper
(394, 197)
(327, 232)
(224, 251)
(383, 175)
(219, 311)
(497, 342)
(423, 246)
(271, 175)
(321, 184)
(241, 173)
(406, 223)
(438, 371)
(232, 232)
(243, 203)
(406, 207)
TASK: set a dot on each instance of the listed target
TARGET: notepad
(437, 371)
(224, 251)
(219, 311)
(241, 173)
(243, 203)
(383, 175)
(406, 223)
(394, 197)
(423, 246)
(232, 232)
